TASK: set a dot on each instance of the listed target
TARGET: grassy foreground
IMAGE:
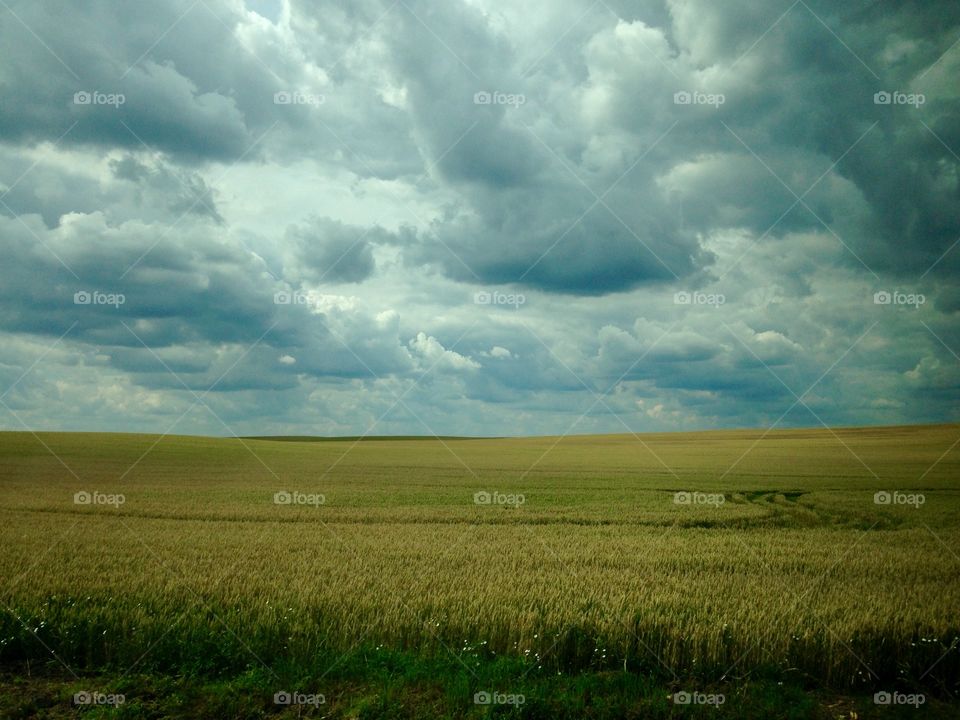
(793, 574)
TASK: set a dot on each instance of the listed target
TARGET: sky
(478, 217)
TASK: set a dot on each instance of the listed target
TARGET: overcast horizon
(270, 217)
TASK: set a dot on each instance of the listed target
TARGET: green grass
(398, 596)
(380, 684)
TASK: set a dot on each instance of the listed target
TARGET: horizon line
(413, 437)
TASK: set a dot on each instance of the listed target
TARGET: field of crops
(831, 558)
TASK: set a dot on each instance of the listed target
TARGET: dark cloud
(328, 250)
(313, 208)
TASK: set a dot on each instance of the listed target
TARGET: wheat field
(700, 555)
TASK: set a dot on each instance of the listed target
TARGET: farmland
(696, 562)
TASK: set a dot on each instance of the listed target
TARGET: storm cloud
(477, 217)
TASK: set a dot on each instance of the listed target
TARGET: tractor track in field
(781, 509)
(785, 508)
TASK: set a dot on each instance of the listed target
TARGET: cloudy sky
(478, 216)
